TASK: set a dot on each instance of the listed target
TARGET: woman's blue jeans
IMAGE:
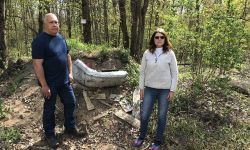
(150, 97)
(68, 99)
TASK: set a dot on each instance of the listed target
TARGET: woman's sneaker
(137, 142)
(154, 147)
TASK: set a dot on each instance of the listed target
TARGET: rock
(21, 117)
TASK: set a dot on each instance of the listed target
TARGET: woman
(158, 81)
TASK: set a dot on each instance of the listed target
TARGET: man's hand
(170, 95)
(71, 79)
(46, 92)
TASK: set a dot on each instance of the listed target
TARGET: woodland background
(205, 33)
(210, 39)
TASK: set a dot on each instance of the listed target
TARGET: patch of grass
(2, 112)
(103, 52)
(77, 46)
(187, 132)
(185, 73)
(13, 85)
(193, 125)
(10, 135)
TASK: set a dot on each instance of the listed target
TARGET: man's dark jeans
(68, 99)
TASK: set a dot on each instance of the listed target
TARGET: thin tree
(3, 49)
(86, 27)
(135, 11)
(138, 13)
(68, 19)
(105, 18)
(141, 27)
(42, 7)
(123, 25)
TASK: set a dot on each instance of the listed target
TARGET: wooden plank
(136, 103)
(125, 105)
(101, 96)
(90, 106)
(100, 115)
(128, 118)
(105, 103)
(116, 97)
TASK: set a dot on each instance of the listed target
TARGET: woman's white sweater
(159, 71)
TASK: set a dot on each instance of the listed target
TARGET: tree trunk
(86, 27)
(3, 49)
(105, 15)
(40, 19)
(33, 25)
(97, 25)
(142, 27)
(43, 7)
(138, 25)
(229, 6)
(244, 13)
(122, 4)
(150, 19)
(135, 11)
(113, 35)
(197, 53)
(69, 25)
(25, 21)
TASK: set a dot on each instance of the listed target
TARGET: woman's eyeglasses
(159, 37)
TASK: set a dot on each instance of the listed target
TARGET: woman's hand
(141, 94)
(170, 95)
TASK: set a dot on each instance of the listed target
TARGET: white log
(92, 78)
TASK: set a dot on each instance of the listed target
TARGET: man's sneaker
(137, 142)
(154, 147)
(52, 141)
(75, 132)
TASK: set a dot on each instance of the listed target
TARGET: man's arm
(70, 68)
(38, 67)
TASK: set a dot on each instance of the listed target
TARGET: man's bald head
(51, 24)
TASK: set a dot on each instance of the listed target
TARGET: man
(53, 68)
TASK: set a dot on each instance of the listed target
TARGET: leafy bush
(133, 72)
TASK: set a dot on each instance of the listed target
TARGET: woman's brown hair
(166, 46)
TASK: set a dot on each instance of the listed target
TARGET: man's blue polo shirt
(53, 49)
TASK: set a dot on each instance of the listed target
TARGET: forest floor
(23, 101)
